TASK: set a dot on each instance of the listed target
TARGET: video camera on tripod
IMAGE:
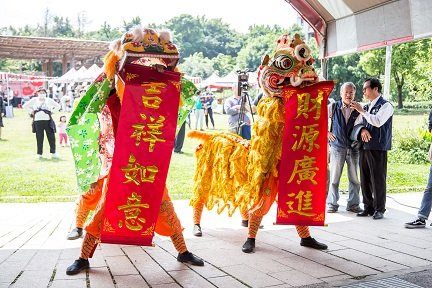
(243, 80)
(245, 104)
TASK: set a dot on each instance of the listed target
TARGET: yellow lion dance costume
(233, 173)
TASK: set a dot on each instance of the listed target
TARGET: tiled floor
(34, 251)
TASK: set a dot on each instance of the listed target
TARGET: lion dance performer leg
(84, 121)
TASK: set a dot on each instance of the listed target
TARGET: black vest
(340, 128)
(382, 136)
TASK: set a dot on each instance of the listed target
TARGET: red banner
(143, 149)
(303, 166)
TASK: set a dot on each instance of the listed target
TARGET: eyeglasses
(364, 88)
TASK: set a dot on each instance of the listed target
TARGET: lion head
(291, 64)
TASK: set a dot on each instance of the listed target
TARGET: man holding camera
(239, 107)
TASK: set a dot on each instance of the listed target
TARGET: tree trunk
(399, 89)
(400, 81)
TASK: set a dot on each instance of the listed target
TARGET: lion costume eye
(283, 62)
(302, 52)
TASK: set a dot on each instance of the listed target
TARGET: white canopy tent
(348, 26)
(92, 73)
(69, 76)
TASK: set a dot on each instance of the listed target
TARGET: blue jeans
(425, 207)
(246, 132)
(338, 157)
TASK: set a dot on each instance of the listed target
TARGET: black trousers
(208, 113)
(373, 179)
(41, 126)
(178, 144)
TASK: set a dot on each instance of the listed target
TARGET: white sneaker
(39, 157)
(54, 156)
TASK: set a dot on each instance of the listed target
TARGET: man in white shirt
(374, 129)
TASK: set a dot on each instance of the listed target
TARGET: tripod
(244, 99)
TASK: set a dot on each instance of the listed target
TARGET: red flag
(303, 166)
(143, 149)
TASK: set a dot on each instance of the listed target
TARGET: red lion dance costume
(122, 134)
(285, 160)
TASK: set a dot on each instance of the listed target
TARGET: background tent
(348, 26)
(69, 76)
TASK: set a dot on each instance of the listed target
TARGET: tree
(219, 38)
(197, 65)
(223, 64)
(62, 27)
(403, 65)
(46, 23)
(82, 23)
(251, 54)
(419, 83)
(136, 21)
(346, 69)
(188, 34)
(105, 33)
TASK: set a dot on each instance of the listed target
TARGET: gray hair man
(343, 150)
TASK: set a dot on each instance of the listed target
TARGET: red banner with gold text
(303, 166)
(143, 148)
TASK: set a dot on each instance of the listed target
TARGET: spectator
(238, 120)
(375, 131)
(2, 113)
(61, 127)
(425, 206)
(41, 108)
(208, 110)
(199, 112)
(342, 150)
(179, 140)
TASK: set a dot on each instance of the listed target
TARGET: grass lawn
(25, 178)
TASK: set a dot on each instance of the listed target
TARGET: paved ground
(362, 252)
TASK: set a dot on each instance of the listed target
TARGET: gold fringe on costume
(266, 147)
(229, 172)
(221, 171)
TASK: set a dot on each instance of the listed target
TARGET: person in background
(2, 114)
(374, 129)
(233, 107)
(208, 110)
(61, 127)
(426, 202)
(199, 112)
(179, 140)
(342, 150)
(41, 108)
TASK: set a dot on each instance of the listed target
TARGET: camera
(243, 80)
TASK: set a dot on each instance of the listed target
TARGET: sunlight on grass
(25, 178)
